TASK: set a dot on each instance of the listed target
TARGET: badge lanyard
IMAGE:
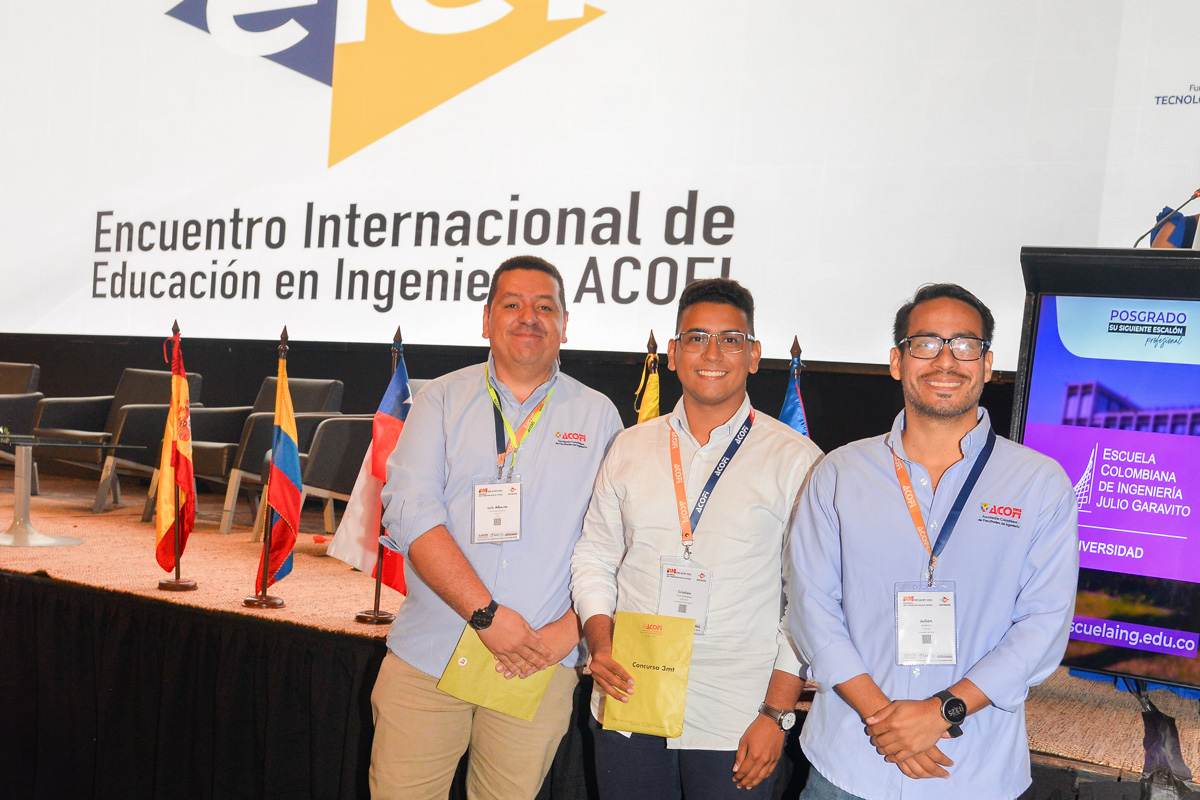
(504, 429)
(688, 524)
(914, 510)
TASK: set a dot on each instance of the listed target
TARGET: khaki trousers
(421, 733)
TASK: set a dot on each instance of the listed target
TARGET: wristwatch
(482, 617)
(954, 711)
(786, 720)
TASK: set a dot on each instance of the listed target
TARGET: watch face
(954, 710)
(787, 720)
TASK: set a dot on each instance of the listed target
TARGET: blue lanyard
(688, 525)
(955, 510)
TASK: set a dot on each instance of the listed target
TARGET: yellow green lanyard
(514, 438)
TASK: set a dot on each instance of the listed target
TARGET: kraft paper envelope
(471, 676)
(656, 651)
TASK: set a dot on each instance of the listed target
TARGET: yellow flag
(646, 402)
(656, 651)
(471, 676)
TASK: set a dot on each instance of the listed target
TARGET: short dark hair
(936, 291)
(528, 262)
(717, 290)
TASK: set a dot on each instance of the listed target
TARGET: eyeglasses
(731, 342)
(963, 348)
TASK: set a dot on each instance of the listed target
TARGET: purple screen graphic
(1119, 408)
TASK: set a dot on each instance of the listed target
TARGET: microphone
(1166, 216)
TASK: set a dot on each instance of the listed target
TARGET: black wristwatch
(954, 711)
(482, 617)
(786, 720)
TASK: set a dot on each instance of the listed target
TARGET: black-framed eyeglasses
(929, 346)
(731, 342)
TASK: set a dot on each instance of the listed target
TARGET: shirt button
(916, 671)
(924, 482)
(504, 564)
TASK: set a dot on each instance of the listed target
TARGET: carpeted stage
(112, 688)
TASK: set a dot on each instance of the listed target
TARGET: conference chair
(228, 444)
(18, 401)
(331, 464)
(134, 414)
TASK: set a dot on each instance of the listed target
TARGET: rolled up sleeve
(1041, 621)
(599, 550)
(815, 617)
(414, 497)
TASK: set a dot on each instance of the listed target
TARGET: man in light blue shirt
(551, 432)
(922, 687)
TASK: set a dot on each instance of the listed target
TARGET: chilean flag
(283, 487)
(357, 539)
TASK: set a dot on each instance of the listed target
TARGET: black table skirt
(110, 695)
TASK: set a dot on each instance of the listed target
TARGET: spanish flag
(176, 480)
(646, 396)
(283, 486)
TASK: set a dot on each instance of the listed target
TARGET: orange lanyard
(689, 522)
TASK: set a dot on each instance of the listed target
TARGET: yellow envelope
(471, 676)
(656, 651)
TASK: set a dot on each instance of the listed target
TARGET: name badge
(925, 632)
(683, 590)
(496, 515)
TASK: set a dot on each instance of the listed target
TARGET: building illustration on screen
(1094, 405)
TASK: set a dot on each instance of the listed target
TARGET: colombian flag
(792, 414)
(357, 539)
(283, 487)
(176, 481)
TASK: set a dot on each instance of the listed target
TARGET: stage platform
(111, 687)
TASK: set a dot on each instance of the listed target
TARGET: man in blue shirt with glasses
(935, 574)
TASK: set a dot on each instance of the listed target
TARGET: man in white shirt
(745, 469)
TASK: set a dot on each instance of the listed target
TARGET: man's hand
(904, 728)
(758, 752)
(559, 637)
(610, 676)
(926, 765)
(518, 647)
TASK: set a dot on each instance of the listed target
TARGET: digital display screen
(1114, 397)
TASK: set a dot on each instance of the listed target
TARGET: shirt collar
(721, 433)
(506, 395)
(970, 444)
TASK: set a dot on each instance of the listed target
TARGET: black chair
(18, 396)
(18, 401)
(134, 414)
(228, 444)
(332, 463)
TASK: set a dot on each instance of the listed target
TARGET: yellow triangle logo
(397, 73)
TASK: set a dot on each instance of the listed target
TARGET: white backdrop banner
(342, 166)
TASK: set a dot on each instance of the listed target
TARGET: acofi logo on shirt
(387, 63)
(570, 438)
(997, 514)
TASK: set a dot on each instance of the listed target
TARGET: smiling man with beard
(528, 439)
(924, 616)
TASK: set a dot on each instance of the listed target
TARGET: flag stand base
(263, 601)
(177, 585)
(373, 617)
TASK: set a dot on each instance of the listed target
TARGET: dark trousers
(641, 766)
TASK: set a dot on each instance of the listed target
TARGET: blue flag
(792, 414)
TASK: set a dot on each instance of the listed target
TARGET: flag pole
(262, 599)
(178, 584)
(373, 616)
